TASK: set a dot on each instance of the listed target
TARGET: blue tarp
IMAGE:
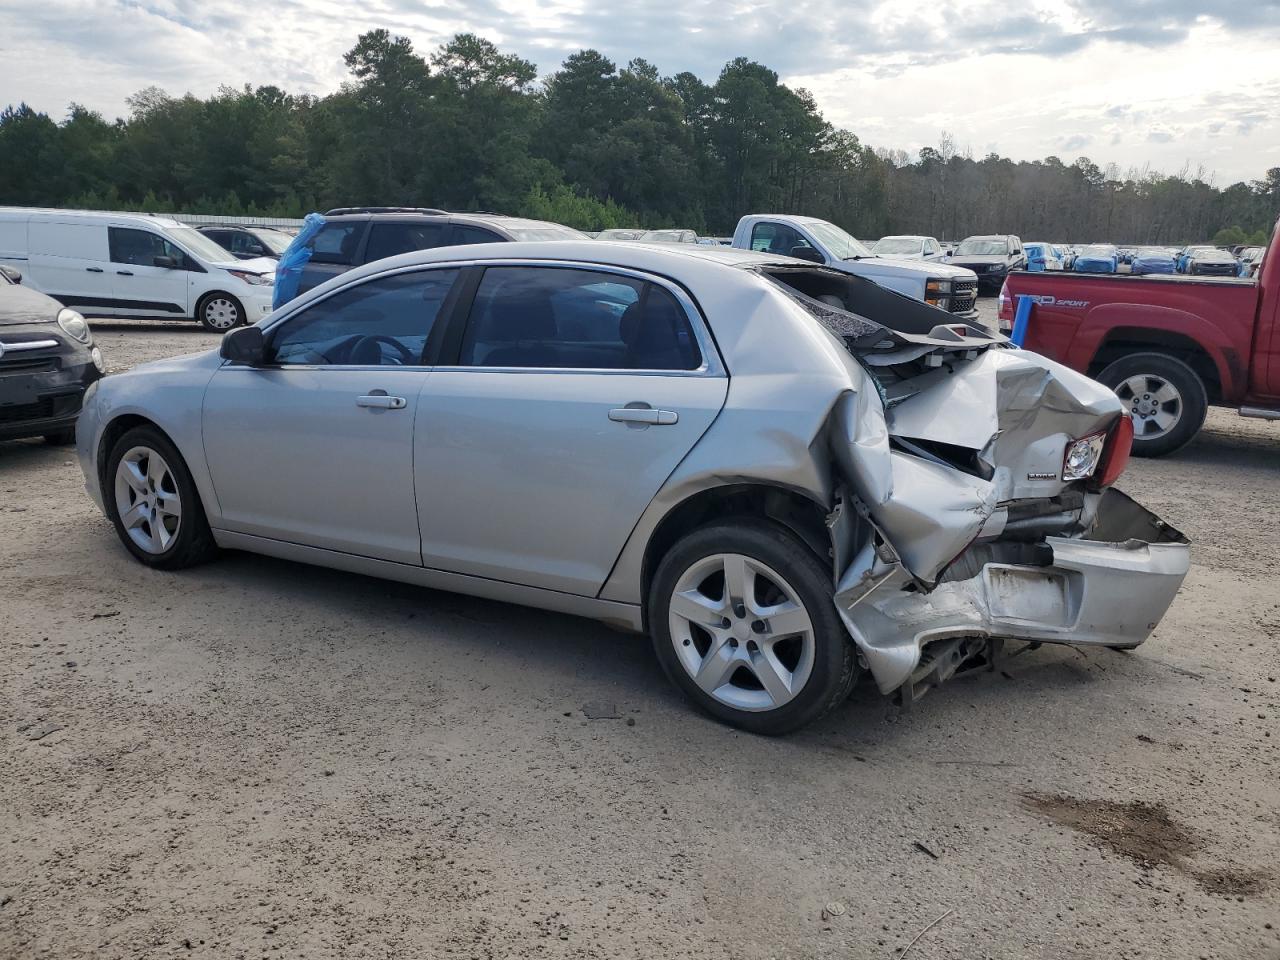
(294, 258)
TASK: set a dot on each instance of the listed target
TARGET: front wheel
(1165, 398)
(743, 622)
(219, 312)
(153, 502)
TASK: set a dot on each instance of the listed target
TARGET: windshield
(546, 233)
(617, 234)
(839, 244)
(983, 247)
(198, 245)
(896, 246)
(274, 240)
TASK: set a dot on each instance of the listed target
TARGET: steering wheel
(365, 344)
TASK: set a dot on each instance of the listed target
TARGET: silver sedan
(787, 475)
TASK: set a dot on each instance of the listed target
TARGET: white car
(134, 265)
(954, 289)
(908, 248)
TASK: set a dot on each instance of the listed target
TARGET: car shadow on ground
(1217, 446)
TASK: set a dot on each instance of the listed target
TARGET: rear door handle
(645, 415)
(380, 401)
(94, 269)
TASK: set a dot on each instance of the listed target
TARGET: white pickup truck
(954, 289)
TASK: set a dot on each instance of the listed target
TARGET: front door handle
(644, 415)
(380, 401)
(124, 273)
(94, 269)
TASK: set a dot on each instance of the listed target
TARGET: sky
(1164, 84)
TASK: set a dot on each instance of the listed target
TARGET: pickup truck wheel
(1165, 397)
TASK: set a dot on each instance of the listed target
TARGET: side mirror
(801, 252)
(13, 273)
(244, 345)
(167, 262)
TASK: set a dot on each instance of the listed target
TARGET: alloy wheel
(1154, 403)
(741, 632)
(147, 499)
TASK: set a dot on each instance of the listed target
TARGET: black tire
(234, 309)
(61, 438)
(834, 669)
(1192, 397)
(192, 543)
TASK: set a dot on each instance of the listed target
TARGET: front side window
(777, 238)
(336, 242)
(391, 239)
(383, 322)
(568, 318)
(141, 247)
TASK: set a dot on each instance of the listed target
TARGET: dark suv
(352, 236)
(991, 258)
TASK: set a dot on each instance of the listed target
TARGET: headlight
(253, 279)
(73, 325)
(937, 293)
(1082, 457)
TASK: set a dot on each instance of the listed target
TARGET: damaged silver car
(787, 475)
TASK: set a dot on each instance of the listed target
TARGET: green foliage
(593, 146)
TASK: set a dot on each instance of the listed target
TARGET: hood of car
(897, 267)
(263, 265)
(19, 304)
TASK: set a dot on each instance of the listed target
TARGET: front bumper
(41, 391)
(1109, 588)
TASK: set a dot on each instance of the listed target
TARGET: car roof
(135, 219)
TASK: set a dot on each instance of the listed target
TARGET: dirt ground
(256, 758)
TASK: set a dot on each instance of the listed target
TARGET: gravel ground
(257, 758)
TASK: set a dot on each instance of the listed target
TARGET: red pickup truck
(1169, 346)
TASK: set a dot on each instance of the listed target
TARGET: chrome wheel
(221, 313)
(147, 500)
(1154, 403)
(741, 632)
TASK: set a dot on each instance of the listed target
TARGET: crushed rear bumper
(1108, 588)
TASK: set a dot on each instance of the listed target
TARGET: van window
(141, 247)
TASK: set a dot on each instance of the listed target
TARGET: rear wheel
(1165, 398)
(153, 503)
(743, 622)
(219, 312)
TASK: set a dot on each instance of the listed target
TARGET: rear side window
(141, 247)
(390, 239)
(382, 322)
(463, 234)
(336, 242)
(565, 318)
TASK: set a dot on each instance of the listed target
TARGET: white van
(134, 265)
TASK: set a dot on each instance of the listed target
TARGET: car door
(142, 286)
(315, 446)
(571, 395)
(69, 262)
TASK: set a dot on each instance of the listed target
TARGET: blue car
(1153, 260)
(1098, 258)
(1041, 257)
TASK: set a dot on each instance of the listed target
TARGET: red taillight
(1116, 455)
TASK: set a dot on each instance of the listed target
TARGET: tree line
(592, 145)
